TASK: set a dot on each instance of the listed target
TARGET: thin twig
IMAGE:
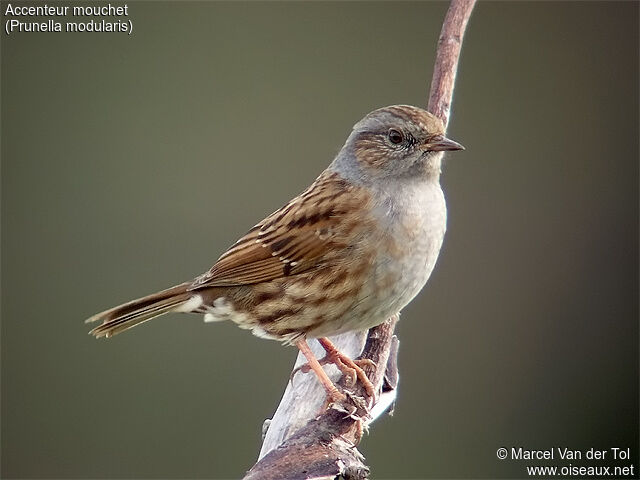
(447, 55)
(304, 442)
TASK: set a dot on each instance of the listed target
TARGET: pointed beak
(440, 143)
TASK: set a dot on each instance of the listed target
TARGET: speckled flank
(322, 231)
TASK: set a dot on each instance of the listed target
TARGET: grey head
(399, 141)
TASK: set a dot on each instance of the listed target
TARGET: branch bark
(304, 441)
(447, 56)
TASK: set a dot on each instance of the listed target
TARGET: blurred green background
(129, 163)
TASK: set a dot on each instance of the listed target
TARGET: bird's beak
(440, 143)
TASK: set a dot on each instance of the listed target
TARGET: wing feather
(314, 228)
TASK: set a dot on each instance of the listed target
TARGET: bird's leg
(332, 391)
(344, 369)
(346, 365)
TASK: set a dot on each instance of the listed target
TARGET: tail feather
(128, 315)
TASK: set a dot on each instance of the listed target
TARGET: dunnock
(346, 254)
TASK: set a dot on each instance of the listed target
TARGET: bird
(346, 254)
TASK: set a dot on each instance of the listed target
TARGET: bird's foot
(352, 369)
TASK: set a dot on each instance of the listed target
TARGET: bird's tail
(128, 315)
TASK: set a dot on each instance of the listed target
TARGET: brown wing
(314, 228)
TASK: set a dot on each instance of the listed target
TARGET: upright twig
(300, 442)
(447, 55)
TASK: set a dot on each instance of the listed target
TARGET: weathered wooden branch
(323, 444)
(305, 440)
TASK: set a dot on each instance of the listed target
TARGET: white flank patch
(221, 306)
(260, 332)
(210, 317)
(220, 311)
(190, 305)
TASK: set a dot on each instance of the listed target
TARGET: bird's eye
(395, 136)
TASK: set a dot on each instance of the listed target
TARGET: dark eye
(395, 136)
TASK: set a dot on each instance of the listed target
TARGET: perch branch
(447, 55)
(304, 442)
